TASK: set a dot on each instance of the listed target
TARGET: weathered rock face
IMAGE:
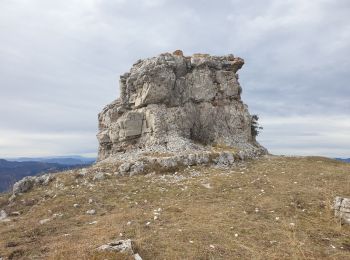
(177, 103)
(342, 209)
(27, 183)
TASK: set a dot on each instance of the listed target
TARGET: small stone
(43, 221)
(11, 244)
(125, 167)
(90, 201)
(15, 213)
(76, 205)
(3, 215)
(206, 185)
(83, 171)
(124, 246)
(57, 215)
(137, 257)
(137, 168)
(91, 212)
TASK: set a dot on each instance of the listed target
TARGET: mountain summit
(176, 103)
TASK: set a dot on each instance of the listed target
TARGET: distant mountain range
(66, 160)
(14, 169)
(343, 159)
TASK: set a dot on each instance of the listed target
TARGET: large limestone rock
(342, 209)
(176, 103)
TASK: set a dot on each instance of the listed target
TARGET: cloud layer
(60, 62)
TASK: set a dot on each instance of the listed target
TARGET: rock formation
(175, 103)
(342, 209)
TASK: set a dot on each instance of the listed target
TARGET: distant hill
(12, 171)
(343, 159)
(66, 160)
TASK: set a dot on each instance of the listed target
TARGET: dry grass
(222, 147)
(243, 212)
(157, 154)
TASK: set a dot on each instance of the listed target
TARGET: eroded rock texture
(176, 103)
(342, 209)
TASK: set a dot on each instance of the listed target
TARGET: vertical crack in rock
(177, 103)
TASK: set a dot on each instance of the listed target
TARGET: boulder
(124, 168)
(99, 176)
(342, 209)
(27, 183)
(23, 185)
(91, 212)
(123, 246)
(137, 168)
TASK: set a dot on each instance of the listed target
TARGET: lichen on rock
(176, 103)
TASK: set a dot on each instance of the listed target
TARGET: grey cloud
(307, 135)
(60, 62)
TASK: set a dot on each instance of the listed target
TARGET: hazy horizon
(60, 63)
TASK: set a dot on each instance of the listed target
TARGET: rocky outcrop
(342, 209)
(27, 183)
(147, 164)
(176, 103)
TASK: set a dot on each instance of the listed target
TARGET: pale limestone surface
(342, 209)
(173, 103)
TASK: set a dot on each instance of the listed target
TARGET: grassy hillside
(270, 208)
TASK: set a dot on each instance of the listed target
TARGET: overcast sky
(60, 62)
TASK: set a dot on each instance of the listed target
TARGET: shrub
(255, 127)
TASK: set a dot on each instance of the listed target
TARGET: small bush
(255, 127)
